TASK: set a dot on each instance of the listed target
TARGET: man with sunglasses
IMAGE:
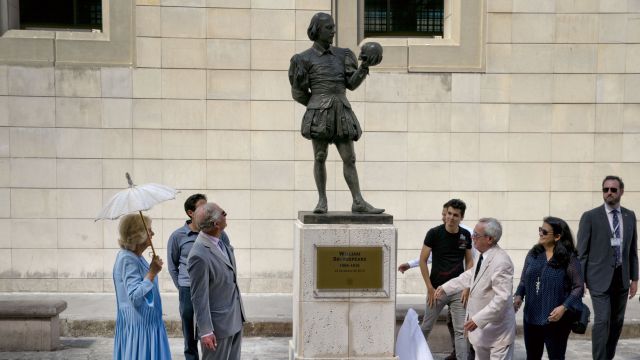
(608, 252)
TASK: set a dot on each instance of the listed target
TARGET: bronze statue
(319, 78)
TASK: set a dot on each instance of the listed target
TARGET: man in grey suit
(608, 252)
(214, 289)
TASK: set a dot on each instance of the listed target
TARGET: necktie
(616, 233)
(478, 267)
(223, 248)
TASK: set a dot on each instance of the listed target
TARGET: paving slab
(273, 348)
(93, 314)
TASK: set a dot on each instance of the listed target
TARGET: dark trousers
(553, 335)
(228, 348)
(608, 317)
(188, 325)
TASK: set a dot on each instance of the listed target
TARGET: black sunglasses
(543, 231)
(607, 189)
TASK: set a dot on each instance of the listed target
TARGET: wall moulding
(461, 49)
(113, 46)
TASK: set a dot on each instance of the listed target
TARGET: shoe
(451, 356)
(321, 208)
(364, 207)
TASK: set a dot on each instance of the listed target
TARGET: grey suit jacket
(595, 251)
(217, 302)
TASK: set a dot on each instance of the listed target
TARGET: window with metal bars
(61, 14)
(403, 18)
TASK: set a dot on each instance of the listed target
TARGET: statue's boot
(363, 207)
(321, 208)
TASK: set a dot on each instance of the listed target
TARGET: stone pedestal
(343, 323)
(30, 325)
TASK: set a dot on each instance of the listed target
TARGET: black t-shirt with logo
(448, 252)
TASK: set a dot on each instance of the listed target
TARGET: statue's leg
(320, 173)
(348, 155)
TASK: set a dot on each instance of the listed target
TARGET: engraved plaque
(346, 267)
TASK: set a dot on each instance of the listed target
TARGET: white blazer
(490, 303)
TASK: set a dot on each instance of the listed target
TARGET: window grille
(403, 18)
(61, 14)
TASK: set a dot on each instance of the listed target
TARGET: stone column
(335, 318)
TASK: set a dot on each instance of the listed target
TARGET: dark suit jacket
(217, 303)
(596, 254)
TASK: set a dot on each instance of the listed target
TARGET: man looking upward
(216, 298)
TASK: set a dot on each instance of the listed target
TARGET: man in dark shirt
(450, 247)
(178, 247)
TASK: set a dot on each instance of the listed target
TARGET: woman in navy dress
(140, 331)
(552, 287)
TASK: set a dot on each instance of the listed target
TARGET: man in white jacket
(491, 321)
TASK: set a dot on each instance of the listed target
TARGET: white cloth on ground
(410, 344)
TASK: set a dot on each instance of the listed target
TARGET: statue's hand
(370, 54)
(372, 60)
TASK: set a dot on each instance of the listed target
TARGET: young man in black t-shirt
(450, 247)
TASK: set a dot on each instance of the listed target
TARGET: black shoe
(451, 356)
(321, 208)
(364, 207)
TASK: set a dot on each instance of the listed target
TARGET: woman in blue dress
(552, 285)
(140, 331)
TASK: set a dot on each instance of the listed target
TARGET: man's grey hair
(211, 215)
(492, 228)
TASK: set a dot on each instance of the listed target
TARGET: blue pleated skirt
(140, 335)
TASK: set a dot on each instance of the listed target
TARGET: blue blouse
(546, 287)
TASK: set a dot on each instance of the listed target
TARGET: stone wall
(207, 108)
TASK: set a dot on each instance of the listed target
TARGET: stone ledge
(28, 309)
(30, 325)
(344, 217)
(106, 328)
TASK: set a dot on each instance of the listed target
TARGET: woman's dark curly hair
(565, 246)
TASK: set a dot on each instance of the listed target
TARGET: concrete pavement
(93, 314)
(89, 320)
(273, 348)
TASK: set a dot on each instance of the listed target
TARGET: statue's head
(322, 27)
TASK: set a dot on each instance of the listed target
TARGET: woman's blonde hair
(132, 231)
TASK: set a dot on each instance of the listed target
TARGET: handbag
(579, 325)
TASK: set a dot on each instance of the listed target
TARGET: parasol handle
(146, 228)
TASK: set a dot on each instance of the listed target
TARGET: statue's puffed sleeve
(299, 80)
(354, 75)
